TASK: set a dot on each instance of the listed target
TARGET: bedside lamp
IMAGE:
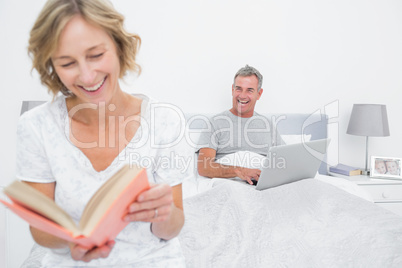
(368, 120)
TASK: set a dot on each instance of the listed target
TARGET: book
(102, 217)
(345, 170)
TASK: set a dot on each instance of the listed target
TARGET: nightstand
(386, 193)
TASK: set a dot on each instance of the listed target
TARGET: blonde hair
(53, 18)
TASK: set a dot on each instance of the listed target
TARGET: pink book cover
(107, 228)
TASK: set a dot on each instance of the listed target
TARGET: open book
(102, 218)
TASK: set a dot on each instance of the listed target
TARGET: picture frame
(386, 167)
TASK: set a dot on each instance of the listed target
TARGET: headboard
(301, 125)
(28, 105)
(315, 125)
(296, 127)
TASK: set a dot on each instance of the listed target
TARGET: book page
(103, 199)
(32, 199)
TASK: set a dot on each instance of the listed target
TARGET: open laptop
(290, 163)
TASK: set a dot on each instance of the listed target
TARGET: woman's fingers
(150, 215)
(155, 192)
(152, 205)
(80, 253)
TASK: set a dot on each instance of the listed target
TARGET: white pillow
(243, 159)
(292, 139)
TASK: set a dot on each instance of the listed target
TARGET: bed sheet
(201, 184)
(308, 223)
(198, 184)
(303, 224)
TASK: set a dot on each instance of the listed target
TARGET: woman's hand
(80, 253)
(161, 205)
(153, 205)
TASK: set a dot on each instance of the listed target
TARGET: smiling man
(237, 129)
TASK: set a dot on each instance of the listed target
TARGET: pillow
(242, 159)
(291, 139)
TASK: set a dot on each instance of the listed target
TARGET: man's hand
(207, 167)
(248, 174)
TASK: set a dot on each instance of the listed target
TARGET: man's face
(245, 95)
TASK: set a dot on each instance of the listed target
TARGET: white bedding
(199, 184)
(303, 224)
(318, 222)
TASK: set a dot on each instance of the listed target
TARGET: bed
(316, 222)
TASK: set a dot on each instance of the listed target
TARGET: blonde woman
(69, 147)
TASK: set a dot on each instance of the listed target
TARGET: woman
(69, 147)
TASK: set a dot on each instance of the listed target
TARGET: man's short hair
(249, 71)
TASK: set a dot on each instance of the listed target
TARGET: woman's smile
(95, 87)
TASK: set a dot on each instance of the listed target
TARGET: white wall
(314, 54)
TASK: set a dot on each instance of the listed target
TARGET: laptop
(290, 163)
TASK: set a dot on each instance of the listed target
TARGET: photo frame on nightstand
(386, 167)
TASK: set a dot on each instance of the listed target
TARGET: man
(237, 129)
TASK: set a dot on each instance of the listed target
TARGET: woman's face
(86, 62)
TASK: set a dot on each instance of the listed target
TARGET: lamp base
(366, 172)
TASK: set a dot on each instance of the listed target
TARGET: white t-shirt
(45, 154)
